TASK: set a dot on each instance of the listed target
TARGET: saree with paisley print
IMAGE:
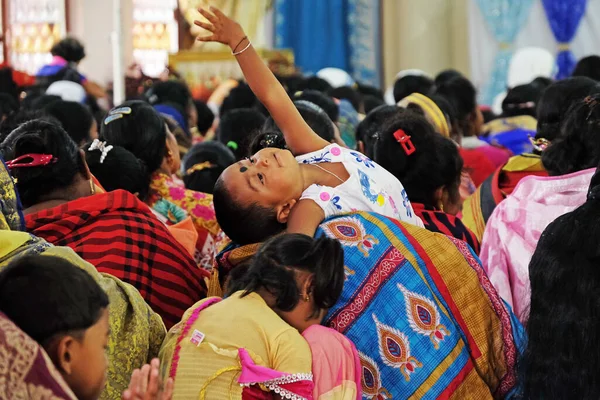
(421, 311)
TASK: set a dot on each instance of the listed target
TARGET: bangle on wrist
(242, 50)
(238, 45)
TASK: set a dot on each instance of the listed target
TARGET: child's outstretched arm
(300, 138)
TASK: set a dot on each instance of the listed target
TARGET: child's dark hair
(139, 128)
(368, 90)
(555, 103)
(266, 139)
(120, 169)
(239, 97)
(42, 137)
(562, 357)
(435, 162)
(171, 92)
(47, 296)
(238, 127)
(316, 83)
(204, 163)
(322, 100)
(348, 93)
(70, 49)
(578, 146)
(273, 269)
(445, 76)
(369, 128)
(313, 115)
(589, 67)
(205, 116)
(410, 84)
(244, 225)
(371, 102)
(461, 93)
(522, 100)
(75, 118)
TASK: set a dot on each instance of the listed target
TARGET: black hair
(313, 115)
(217, 154)
(562, 357)
(542, 82)
(316, 83)
(367, 90)
(70, 49)
(322, 100)
(555, 103)
(8, 106)
(244, 225)
(264, 139)
(589, 67)
(171, 92)
(47, 296)
(75, 118)
(237, 129)
(273, 268)
(291, 83)
(120, 169)
(371, 102)
(460, 92)
(348, 93)
(141, 130)
(42, 137)
(240, 96)
(522, 100)
(435, 163)
(578, 146)
(371, 126)
(43, 101)
(13, 121)
(205, 116)
(410, 84)
(7, 84)
(445, 76)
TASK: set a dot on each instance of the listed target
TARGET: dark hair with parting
(43, 137)
(70, 49)
(371, 126)
(324, 101)
(75, 118)
(48, 296)
(139, 128)
(434, 163)
(589, 67)
(578, 146)
(204, 163)
(273, 268)
(562, 358)
(410, 84)
(313, 115)
(237, 129)
(555, 102)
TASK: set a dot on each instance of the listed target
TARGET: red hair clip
(37, 160)
(405, 142)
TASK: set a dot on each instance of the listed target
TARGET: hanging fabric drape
(334, 33)
(564, 17)
(505, 18)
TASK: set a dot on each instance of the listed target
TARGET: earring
(92, 188)
(441, 206)
(306, 298)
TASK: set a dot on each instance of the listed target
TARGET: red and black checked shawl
(120, 236)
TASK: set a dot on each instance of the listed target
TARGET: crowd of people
(292, 239)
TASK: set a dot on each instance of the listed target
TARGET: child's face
(270, 178)
(88, 362)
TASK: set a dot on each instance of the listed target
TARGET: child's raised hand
(145, 384)
(224, 29)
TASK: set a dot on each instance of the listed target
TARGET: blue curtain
(505, 18)
(564, 17)
(331, 33)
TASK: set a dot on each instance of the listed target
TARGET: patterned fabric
(476, 164)
(120, 236)
(514, 228)
(422, 313)
(479, 206)
(136, 332)
(183, 202)
(347, 123)
(450, 225)
(512, 133)
(10, 205)
(369, 188)
(28, 372)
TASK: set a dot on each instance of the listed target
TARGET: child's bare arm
(300, 138)
(305, 218)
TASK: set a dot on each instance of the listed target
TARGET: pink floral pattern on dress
(177, 193)
(201, 211)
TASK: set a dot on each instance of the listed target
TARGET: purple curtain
(564, 17)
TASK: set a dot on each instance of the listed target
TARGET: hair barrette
(31, 160)
(404, 140)
(232, 145)
(120, 110)
(199, 167)
(540, 144)
(104, 149)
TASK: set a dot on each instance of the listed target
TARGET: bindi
(243, 169)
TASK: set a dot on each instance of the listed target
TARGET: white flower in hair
(99, 145)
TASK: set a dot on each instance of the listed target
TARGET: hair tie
(37, 160)
(199, 167)
(232, 145)
(404, 140)
(540, 144)
(98, 145)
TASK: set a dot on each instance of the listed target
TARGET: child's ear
(283, 211)
(65, 348)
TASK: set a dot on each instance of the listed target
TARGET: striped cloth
(120, 236)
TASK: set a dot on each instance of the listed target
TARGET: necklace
(329, 172)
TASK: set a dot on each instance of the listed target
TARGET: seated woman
(515, 226)
(244, 338)
(430, 167)
(272, 191)
(561, 362)
(551, 111)
(139, 129)
(114, 231)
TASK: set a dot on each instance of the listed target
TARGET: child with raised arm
(258, 197)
